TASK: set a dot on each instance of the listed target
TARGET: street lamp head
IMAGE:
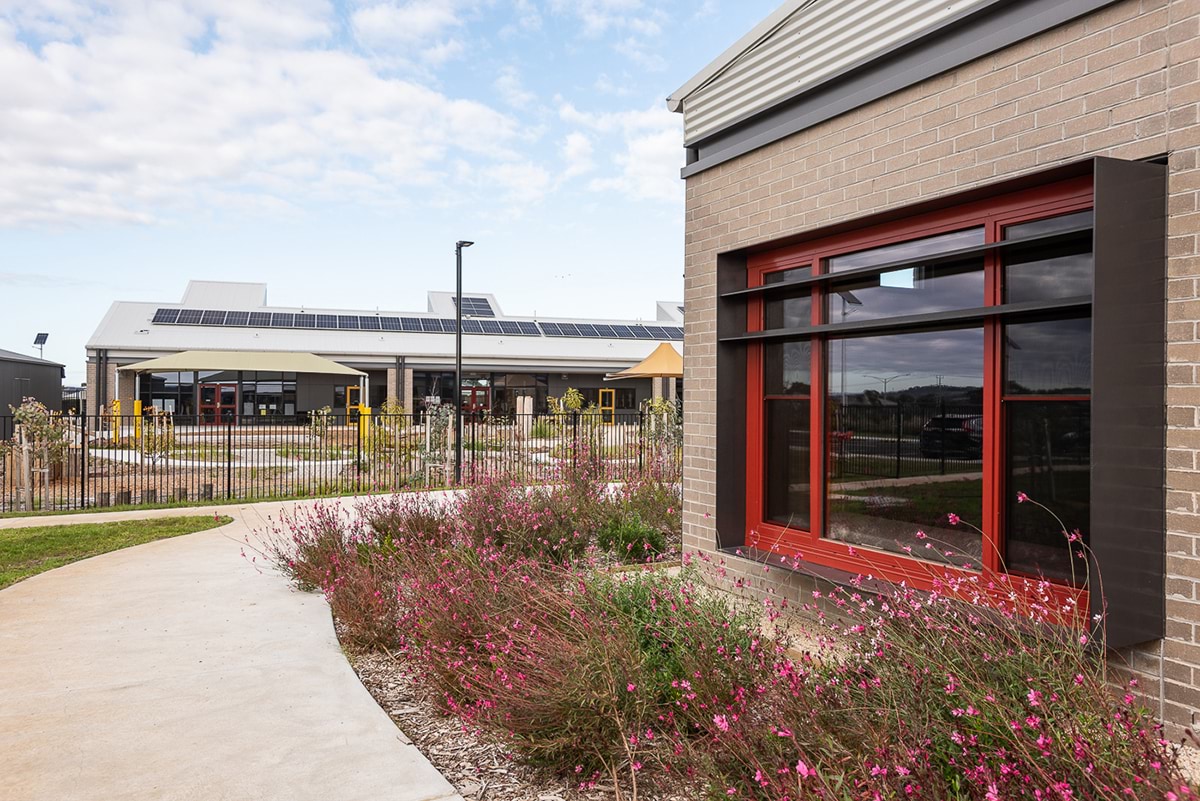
(462, 243)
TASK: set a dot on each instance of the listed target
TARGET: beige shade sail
(664, 362)
(274, 361)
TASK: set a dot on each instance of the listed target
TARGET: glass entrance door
(218, 404)
(476, 399)
(608, 405)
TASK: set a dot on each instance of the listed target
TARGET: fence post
(83, 448)
(574, 439)
(474, 432)
(229, 461)
(899, 430)
(357, 449)
(641, 441)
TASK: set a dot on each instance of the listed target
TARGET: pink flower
(631, 687)
(952, 518)
(722, 722)
(804, 770)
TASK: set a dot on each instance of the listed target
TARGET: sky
(337, 150)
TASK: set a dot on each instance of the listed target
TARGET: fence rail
(107, 460)
(905, 439)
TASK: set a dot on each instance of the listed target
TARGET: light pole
(887, 380)
(458, 249)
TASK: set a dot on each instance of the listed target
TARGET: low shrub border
(503, 604)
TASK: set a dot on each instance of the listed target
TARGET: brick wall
(1122, 82)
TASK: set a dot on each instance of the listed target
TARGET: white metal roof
(127, 333)
(801, 45)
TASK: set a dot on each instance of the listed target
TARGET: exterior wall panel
(1121, 82)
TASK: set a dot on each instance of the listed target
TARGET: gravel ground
(479, 768)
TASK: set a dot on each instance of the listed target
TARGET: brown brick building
(939, 253)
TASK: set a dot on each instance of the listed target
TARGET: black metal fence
(899, 440)
(106, 460)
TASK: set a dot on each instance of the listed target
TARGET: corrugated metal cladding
(813, 44)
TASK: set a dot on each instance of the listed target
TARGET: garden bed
(501, 615)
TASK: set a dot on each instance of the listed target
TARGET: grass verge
(25, 552)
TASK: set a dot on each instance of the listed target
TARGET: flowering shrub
(985, 687)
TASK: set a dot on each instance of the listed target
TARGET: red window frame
(993, 214)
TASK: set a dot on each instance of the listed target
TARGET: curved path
(176, 670)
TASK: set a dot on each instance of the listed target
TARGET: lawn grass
(25, 552)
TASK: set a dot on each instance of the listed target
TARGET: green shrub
(631, 539)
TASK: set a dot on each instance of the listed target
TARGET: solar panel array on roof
(603, 331)
(477, 307)
(425, 325)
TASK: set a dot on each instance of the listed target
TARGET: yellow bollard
(137, 421)
(116, 421)
(364, 426)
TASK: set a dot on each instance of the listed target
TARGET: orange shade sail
(664, 362)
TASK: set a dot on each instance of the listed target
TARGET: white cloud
(125, 121)
(512, 92)
(647, 164)
(398, 25)
(577, 152)
(649, 168)
(520, 183)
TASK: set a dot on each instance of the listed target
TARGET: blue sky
(336, 151)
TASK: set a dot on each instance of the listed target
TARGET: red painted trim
(993, 215)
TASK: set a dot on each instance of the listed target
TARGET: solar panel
(623, 332)
(348, 321)
(681, 310)
(166, 316)
(305, 321)
(389, 323)
(237, 318)
(431, 325)
(491, 327)
(509, 327)
(656, 331)
(327, 321)
(410, 323)
(640, 332)
(449, 326)
(283, 320)
(212, 317)
(367, 323)
(586, 330)
(552, 329)
(477, 307)
(529, 329)
(189, 316)
(676, 333)
(605, 331)
(260, 319)
(472, 327)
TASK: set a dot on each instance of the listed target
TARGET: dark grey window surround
(1128, 510)
(959, 40)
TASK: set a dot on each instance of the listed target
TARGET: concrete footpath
(176, 670)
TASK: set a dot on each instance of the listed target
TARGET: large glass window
(907, 412)
(920, 398)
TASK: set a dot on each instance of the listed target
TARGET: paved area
(176, 670)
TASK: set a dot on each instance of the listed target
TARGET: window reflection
(1051, 357)
(1049, 455)
(903, 251)
(913, 290)
(906, 440)
(788, 489)
(787, 368)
